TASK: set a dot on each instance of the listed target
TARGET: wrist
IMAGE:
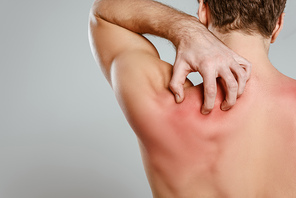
(184, 30)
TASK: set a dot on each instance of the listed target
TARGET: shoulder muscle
(108, 41)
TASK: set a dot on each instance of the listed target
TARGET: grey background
(62, 134)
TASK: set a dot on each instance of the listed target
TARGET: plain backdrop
(62, 133)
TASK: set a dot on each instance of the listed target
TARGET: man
(248, 151)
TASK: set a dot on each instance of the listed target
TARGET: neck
(255, 49)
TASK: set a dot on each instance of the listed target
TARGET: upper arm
(109, 41)
(132, 66)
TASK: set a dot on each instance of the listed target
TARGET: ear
(278, 28)
(203, 13)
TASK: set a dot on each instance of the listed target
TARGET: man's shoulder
(287, 90)
(286, 97)
(291, 94)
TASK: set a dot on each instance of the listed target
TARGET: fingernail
(204, 112)
(224, 106)
(178, 98)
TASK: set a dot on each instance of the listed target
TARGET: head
(252, 17)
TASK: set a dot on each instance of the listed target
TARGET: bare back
(249, 151)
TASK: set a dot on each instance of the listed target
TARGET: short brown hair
(259, 16)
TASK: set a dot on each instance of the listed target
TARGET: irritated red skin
(248, 151)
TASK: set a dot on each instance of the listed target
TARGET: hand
(212, 59)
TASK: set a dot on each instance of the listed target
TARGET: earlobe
(202, 13)
(278, 28)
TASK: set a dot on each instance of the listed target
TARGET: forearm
(147, 16)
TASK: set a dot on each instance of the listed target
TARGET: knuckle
(232, 85)
(242, 74)
(235, 64)
(205, 66)
(249, 65)
(209, 64)
(173, 86)
(221, 60)
(210, 90)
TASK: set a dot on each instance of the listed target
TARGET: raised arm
(197, 49)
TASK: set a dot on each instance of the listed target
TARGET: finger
(241, 77)
(231, 90)
(180, 73)
(210, 91)
(244, 63)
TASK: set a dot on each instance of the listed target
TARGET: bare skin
(198, 50)
(246, 152)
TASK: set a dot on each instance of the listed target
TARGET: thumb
(180, 72)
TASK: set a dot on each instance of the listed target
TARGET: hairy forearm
(147, 16)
